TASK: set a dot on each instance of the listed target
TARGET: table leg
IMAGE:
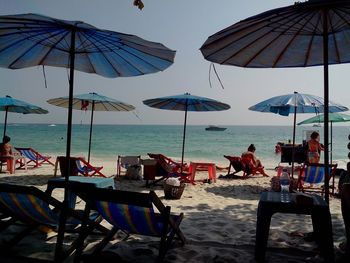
(322, 226)
(262, 234)
(56, 166)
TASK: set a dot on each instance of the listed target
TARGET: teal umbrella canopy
(9, 104)
(333, 117)
(93, 102)
(186, 102)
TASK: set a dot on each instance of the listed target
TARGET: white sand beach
(219, 223)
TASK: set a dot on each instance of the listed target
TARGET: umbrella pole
(326, 102)
(5, 124)
(92, 119)
(294, 124)
(331, 156)
(63, 215)
(183, 139)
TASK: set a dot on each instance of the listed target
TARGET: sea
(109, 141)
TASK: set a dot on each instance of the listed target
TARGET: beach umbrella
(186, 102)
(305, 34)
(28, 40)
(295, 103)
(9, 104)
(332, 117)
(93, 102)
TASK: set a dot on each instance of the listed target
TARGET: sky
(181, 25)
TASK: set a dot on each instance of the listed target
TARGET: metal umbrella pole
(5, 124)
(92, 119)
(184, 137)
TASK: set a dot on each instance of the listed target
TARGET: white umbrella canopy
(93, 102)
(310, 33)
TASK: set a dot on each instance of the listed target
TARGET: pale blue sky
(182, 25)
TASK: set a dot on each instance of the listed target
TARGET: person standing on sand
(250, 158)
(314, 148)
(6, 153)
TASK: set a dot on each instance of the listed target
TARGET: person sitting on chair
(6, 153)
(314, 148)
(250, 158)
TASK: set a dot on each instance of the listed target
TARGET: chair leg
(100, 246)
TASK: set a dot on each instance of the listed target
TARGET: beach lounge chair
(33, 157)
(131, 212)
(241, 164)
(312, 175)
(35, 209)
(86, 169)
(166, 167)
(123, 162)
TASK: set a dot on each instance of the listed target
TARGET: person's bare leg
(345, 208)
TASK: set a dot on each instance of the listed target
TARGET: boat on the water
(215, 128)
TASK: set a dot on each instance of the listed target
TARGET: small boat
(215, 128)
(316, 125)
(52, 125)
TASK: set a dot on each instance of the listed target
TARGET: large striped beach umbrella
(93, 102)
(28, 40)
(9, 104)
(186, 102)
(305, 34)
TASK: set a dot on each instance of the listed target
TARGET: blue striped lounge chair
(312, 176)
(86, 169)
(33, 157)
(34, 209)
(132, 213)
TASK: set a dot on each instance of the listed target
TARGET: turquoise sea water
(108, 141)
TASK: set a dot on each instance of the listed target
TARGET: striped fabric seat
(29, 208)
(87, 169)
(132, 213)
(34, 208)
(132, 219)
(312, 177)
(314, 174)
(33, 157)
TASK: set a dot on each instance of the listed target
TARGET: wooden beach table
(277, 202)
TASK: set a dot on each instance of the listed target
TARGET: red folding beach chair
(33, 157)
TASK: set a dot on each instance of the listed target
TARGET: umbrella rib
(266, 46)
(310, 42)
(91, 64)
(102, 54)
(134, 66)
(342, 16)
(261, 37)
(262, 21)
(24, 53)
(291, 41)
(49, 50)
(334, 39)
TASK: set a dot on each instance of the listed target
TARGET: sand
(219, 223)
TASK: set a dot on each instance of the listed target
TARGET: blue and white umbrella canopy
(93, 102)
(186, 102)
(28, 40)
(9, 104)
(296, 103)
